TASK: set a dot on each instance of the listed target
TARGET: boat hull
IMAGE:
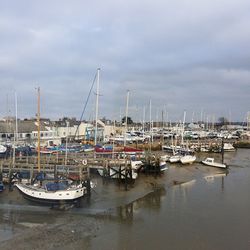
(216, 165)
(50, 198)
(174, 159)
(188, 159)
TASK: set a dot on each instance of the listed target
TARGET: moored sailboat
(53, 192)
(188, 159)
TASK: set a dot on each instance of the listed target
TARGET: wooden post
(222, 151)
(126, 175)
(31, 173)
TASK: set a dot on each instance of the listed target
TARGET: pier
(76, 167)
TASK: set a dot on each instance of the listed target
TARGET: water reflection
(152, 201)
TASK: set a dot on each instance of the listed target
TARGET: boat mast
(15, 134)
(150, 124)
(143, 122)
(183, 128)
(97, 103)
(66, 149)
(38, 130)
(126, 119)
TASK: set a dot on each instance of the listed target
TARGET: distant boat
(3, 149)
(210, 162)
(154, 164)
(163, 165)
(175, 158)
(88, 148)
(228, 147)
(188, 159)
(165, 157)
(1, 186)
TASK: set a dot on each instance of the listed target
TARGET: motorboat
(210, 162)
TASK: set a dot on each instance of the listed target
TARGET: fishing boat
(52, 192)
(188, 159)
(210, 162)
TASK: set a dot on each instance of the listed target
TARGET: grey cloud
(183, 55)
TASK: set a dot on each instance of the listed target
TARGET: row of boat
(55, 191)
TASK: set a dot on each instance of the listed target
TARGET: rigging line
(85, 105)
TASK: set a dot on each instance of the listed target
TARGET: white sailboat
(228, 147)
(175, 158)
(56, 192)
(188, 159)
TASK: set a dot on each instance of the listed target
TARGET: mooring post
(222, 151)
(88, 182)
(31, 173)
(1, 168)
(10, 179)
(126, 175)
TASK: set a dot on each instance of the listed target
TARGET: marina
(165, 197)
(124, 125)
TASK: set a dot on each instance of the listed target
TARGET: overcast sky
(191, 55)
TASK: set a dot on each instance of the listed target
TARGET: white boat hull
(174, 158)
(210, 162)
(41, 195)
(188, 159)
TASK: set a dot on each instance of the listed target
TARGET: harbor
(192, 193)
(124, 125)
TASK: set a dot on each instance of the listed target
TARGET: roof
(23, 126)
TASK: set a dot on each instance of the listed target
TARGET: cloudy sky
(191, 55)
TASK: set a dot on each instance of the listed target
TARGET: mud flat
(27, 226)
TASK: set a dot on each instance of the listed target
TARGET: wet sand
(27, 226)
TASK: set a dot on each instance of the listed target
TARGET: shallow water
(210, 210)
(206, 213)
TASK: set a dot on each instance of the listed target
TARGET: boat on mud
(210, 162)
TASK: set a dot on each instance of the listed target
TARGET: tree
(129, 120)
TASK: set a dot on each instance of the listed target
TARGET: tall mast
(150, 123)
(97, 103)
(66, 150)
(183, 127)
(143, 121)
(15, 134)
(126, 118)
(38, 130)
